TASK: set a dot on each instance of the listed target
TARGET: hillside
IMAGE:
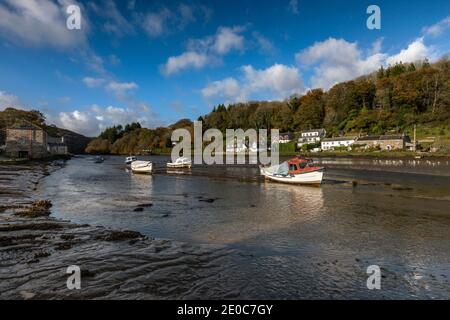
(76, 142)
(391, 100)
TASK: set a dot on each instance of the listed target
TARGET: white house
(311, 136)
(331, 143)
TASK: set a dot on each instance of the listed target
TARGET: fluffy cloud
(119, 89)
(228, 89)
(437, 28)
(336, 60)
(80, 122)
(92, 121)
(184, 61)
(202, 51)
(228, 39)
(40, 23)
(9, 100)
(415, 51)
(276, 82)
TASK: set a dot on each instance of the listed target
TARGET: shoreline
(36, 250)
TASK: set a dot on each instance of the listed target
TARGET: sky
(160, 61)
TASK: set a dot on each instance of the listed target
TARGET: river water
(287, 241)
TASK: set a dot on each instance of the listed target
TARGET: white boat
(130, 159)
(294, 171)
(142, 166)
(181, 162)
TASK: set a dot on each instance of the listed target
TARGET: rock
(145, 205)
(115, 235)
(27, 295)
(209, 200)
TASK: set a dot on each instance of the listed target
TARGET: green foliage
(289, 147)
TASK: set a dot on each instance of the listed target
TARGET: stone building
(27, 140)
(385, 142)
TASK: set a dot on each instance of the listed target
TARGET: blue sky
(159, 61)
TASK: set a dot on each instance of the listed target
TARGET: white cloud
(185, 60)
(293, 6)
(9, 100)
(40, 23)
(80, 122)
(280, 79)
(93, 82)
(228, 39)
(437, 28)
(92, 121)
(416, 51)
(120, 88)
(201, 51)
(276, 82)
(228, 89)
(337, 60)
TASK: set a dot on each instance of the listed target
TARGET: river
(287, 241)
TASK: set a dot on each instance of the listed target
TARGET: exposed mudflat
(222, 232)
(36, 249)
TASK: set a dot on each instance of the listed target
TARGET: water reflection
(295, 241)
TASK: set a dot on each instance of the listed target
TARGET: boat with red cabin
(297, 170)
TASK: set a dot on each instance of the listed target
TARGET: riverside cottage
(311, 136)
(27, 140)
(385, 142)
(332, 143)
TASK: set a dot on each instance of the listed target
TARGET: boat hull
(144, 167)
(178, 165)
(313, 177)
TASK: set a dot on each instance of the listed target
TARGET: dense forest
(76, 142)
(390, 100)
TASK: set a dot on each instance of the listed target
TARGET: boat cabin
(300, 165)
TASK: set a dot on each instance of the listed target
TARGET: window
(292, 167)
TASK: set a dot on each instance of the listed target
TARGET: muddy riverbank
(36, 249)
(222, 232)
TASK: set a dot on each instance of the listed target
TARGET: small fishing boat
(99, 159)
(295, 171)
(130, 159)
(142, 166)
(181, 162)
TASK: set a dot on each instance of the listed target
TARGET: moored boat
(294, 171)
(99, 159)
(142, 166)
(130, 159)
(181, 162)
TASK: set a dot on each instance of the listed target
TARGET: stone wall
(392, 144)
(30, 142)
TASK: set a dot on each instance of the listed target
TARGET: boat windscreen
(281, 169)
